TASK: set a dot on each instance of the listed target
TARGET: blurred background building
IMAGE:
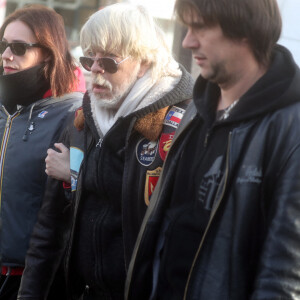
(76, 12)
(290, 37)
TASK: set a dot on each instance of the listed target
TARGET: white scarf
(143, 93)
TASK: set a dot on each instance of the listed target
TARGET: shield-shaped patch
(151, 181)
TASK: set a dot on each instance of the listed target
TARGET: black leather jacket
(251, 246)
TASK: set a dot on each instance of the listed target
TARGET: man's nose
(96, 67)
(190, 41)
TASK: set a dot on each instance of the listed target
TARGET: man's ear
(143, 69)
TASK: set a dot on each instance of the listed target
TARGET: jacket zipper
(74, 217)
(77, 200)
(4, 144)
(131, 125)
(99, 144)
(206, 138)
(212, 216)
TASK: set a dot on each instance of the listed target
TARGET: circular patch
(146, 151)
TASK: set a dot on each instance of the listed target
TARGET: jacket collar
(23, 88)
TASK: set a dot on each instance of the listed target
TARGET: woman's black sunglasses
(106, 63)
(17, 48)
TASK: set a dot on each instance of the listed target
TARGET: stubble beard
(219, 75)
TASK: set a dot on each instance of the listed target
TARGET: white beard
(118, 93)
(112, 104)
(144, 92)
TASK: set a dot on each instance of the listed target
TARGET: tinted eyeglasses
(108, 64)
(16, 48)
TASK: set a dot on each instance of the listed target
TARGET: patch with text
(174, 116)
(146, 151)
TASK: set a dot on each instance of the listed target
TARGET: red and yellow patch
(151, 181)
(165, 144)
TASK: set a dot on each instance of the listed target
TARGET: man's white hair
(125, 30)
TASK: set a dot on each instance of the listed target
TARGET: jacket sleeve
(278, 275)
(48, 242)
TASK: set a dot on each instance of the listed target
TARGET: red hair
(49, 30)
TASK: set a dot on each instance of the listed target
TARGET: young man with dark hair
(223, 219)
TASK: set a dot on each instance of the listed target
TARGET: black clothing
(10, 287)
(196, 182)
(26, 134)
(145, 158)
(23, 88)
(96, 236)
(250, 246)
(103, 184)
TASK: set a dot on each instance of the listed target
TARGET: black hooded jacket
(105, 173)
(250, 245)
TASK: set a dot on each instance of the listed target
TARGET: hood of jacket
(277, 88)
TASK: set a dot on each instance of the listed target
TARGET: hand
(58, 163)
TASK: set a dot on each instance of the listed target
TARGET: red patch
(150, 184)
(165, 144)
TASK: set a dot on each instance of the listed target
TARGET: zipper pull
(99, 144)
(206, 139)
(8, 121)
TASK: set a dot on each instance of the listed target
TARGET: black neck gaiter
(23, 88)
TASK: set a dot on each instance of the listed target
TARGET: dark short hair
(258, 21)
(49, 30)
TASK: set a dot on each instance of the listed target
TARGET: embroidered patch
(174, 116)
(76, 157)
(146, 151)
(165, 144)
(42, 114)
(150, 184)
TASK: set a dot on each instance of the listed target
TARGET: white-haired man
(117, 144)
